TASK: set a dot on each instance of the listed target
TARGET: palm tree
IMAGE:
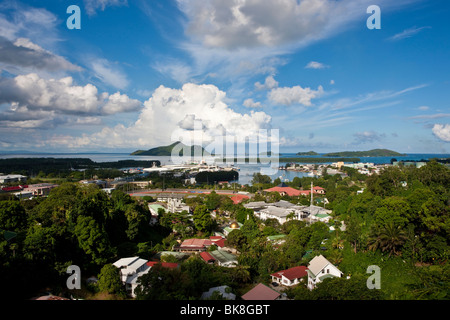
(241, 274)
(337, 243)
(335, 257)
(388, 238)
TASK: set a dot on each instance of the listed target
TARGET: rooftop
(292, 273)
(261, 292)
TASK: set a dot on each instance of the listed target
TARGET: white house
(13, 178)
(320, 268)
(290, 276)
(131, 269)
(278, 210)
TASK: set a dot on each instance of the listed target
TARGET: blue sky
(139, 74)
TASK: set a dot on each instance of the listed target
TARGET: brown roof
(261, 292)
(50, 297)
(196, 243)
(292, 273)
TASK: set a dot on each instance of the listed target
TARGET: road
(140, 193)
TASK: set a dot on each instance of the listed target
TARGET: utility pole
(310, 204)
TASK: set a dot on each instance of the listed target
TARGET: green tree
(93, 239)
(260, 178)
(12, 216)
(354, 288)
(109, 280)
(40, 243)
(237, 239)
(353, 233)
(393, 210)
(212, 201)
(240, 274)
(202, 219)
(250, 228)
(389, 238)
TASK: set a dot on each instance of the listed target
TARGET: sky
(139, 74)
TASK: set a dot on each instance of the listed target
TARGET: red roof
(220, 243)
(170, 265)
(292, 273)
(206, 256)
(261, 292)
(215, 238)
(287, 190)
(18, 188)
(239, 198)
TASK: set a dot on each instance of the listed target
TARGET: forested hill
(369, 153)
(28, 166)
(167, 150)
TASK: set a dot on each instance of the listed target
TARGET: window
(328, 270)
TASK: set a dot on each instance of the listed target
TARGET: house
(41, 189)
(50, 297)
(194, 245)
(130, 270)
(278, 210)
(283, 190)
(320, 268)
(233, 226)
(224, 258)
(239, 198)
(219, 241)
(290, 277)
(318, 190)
(207, 257)
(12, 178)
(261, 292)
(224, 291)
(272, 212)
(317, 213)
(154, 212)
(177, 205)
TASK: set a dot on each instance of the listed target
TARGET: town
(157, 233)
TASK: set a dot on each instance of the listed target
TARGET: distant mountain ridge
(167, 150)
(369, 153)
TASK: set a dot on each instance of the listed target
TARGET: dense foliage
(77, 225)
(399, 223)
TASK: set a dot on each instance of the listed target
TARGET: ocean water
(246, 170)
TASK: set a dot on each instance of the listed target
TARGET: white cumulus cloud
(268, 84)
(32, 98)
(316, 65)
(172, 114)
(442, 131)
(294, 95)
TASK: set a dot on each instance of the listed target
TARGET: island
(167, 150)
(309, 153)
(370, 153)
